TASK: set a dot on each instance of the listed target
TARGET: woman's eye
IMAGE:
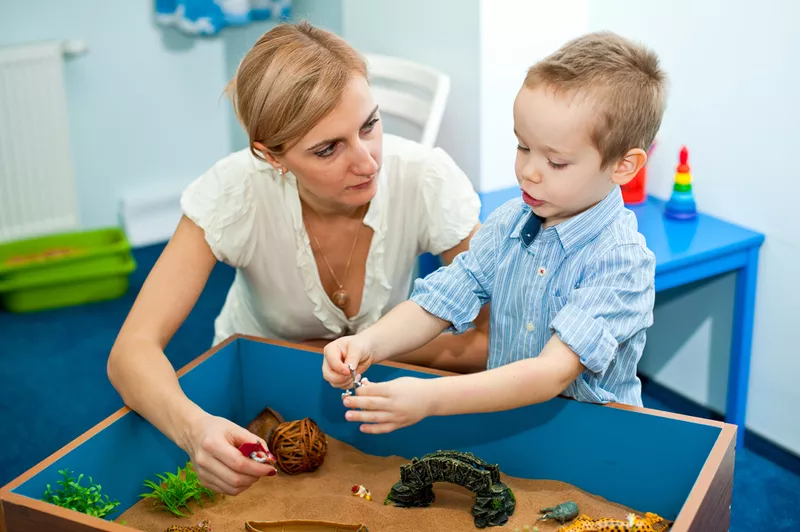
(327, 151)
(557, 166)
(370, 125)
(520, 148)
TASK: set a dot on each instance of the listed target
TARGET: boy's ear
(627, 167)
(268, 156)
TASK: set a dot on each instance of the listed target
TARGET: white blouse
(252, 221)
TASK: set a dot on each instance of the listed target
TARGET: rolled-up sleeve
(612, 303)
(456, 293)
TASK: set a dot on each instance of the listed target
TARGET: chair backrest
(397, 84)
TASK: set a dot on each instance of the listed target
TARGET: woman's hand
(387, 406)
(347, 351)
(212, 443)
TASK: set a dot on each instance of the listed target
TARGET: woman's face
(336, 163)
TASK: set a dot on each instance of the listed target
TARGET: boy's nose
(531, 174)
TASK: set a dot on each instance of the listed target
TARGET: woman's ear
(627, 167)
(270, 157)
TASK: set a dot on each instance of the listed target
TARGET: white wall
(514, 34)
(733, 102)
(440, 33)
(142, 103)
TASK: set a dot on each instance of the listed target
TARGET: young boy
(569, 277)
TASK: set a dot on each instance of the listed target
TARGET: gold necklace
(340, 297)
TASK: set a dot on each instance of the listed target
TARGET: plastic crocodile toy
(634, 523)
(566, 511)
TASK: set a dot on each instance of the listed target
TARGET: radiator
(37, 182)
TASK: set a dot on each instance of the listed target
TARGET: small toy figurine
(356, 382)
(257, 452)
(681, 205)
(361, 491)
(203, 526)
(566, 511)
(634, 523)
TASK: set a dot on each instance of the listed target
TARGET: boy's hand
(388, 406)
(348, 350)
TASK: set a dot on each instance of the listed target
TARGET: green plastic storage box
(65, 269)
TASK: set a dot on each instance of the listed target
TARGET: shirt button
(542, 271)
(529, 327)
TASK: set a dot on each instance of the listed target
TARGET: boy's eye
(557, 166)
(327, 151)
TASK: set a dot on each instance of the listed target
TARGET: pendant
(340, 298)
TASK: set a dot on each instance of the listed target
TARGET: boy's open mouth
(530, 200)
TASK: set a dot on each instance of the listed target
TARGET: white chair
(396, 83)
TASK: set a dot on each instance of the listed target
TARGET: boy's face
(557, 166)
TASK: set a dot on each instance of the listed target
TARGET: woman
(323, 218)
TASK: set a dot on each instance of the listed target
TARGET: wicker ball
(299, 446)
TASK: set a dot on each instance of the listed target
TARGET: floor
(54, 387)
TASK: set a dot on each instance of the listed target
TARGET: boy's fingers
(334, 379)
(329, 375)
(367, 402)
(369, 416)
(338, 360)
(373, 389)
(352, 359)
(378, 428)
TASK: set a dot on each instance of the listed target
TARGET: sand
(325, 495)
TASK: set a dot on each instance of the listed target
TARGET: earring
(280, 171)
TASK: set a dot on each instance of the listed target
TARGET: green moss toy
(84, 499)
(176, 490)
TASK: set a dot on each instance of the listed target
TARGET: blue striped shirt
(589, 279)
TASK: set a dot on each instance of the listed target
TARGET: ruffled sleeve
(450, 207)
(221, 203)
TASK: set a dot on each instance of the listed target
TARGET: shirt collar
(576, 231)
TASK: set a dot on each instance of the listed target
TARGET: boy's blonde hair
(292, 77)
(622, 78)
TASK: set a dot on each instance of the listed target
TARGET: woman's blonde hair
(292, 77)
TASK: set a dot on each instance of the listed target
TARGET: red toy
(257, 452)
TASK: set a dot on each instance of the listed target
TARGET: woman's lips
(363, 185)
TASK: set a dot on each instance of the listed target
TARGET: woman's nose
(363, 161)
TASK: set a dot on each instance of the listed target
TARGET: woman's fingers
(225, 479)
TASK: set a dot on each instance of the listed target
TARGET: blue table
(688, 251)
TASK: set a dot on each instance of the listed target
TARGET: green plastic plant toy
(176, 490)
(84, 499)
